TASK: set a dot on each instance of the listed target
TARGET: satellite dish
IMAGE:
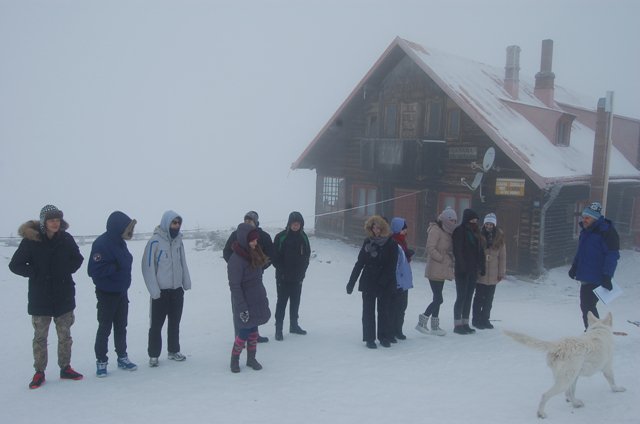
(476, 180)
(489, 157)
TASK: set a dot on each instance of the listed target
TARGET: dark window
(366, 154)
(331, 193)
(389, 152)
(433, 119)
(453, 124)
(372, 126)
(391, 120)
(563, 132)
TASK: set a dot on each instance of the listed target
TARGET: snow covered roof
(478, 90)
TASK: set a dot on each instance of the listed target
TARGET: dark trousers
(434, 306)
(588, 301)
(465, 286)
(369, 302)
(288, 291)
(113, 310)
(399, 304)
(168, 305)
(482, 302)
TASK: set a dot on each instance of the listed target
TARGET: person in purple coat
(249, 302)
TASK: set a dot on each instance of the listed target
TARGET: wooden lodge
(424, 130)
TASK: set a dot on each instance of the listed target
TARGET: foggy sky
(202, 106)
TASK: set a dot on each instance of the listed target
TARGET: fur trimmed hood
(30, 230)
(380, 222)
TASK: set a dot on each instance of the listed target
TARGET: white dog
(572, 357)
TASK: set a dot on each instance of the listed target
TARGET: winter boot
(423, 324)
(465, 324)
(459, 327)
(435, 327)
(252, 347)
(294, 328)
(238, 347)
(235, 364)
(488, 325)
(279, 336)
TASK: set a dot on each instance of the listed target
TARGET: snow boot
(435, 327)
(459, 327)
(279, 336)
(252, 347)
(423, 322)
(125, 364)
(294, 328)
(465, 324)
(238, 347)
(235, 364)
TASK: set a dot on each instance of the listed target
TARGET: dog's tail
(530, 341)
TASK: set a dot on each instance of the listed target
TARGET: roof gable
(479, 91)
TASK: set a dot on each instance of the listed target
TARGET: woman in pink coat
(439, 268)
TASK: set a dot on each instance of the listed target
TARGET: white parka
(163, 264)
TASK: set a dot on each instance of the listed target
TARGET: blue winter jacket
(404, 276)
(598, 252)
(110, 260)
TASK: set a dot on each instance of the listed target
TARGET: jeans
(113, 311)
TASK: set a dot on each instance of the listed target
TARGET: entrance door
(509, 221)
(406, 206)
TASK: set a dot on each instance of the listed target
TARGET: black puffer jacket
(377, 261)
(291, 252)
(468, 248)
(48, 264)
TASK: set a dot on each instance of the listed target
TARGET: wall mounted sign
(510, 187)
(463, 153)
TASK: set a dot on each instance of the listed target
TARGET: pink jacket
(439, 254)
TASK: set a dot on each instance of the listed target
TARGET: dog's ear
(591, 319)
(608, 320)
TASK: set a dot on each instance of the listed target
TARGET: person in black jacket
(377, 261)
(266, 245)
(48, 256)
(291, 253)
(468, 253)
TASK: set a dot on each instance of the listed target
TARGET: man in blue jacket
(596, 259)
(110, 268)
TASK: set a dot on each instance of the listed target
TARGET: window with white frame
(364, 200)
(457, 202)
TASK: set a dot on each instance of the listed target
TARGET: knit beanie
(490, 218)
(252, 215)
(48, 212)
(447, 218)
(593, 210)
(253, 235)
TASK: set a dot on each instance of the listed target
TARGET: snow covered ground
(327, 375)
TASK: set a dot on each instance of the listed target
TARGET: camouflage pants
(41, 331)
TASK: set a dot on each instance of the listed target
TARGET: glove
(606, 282)
(572, 272)
(350, 288)
(244, 316)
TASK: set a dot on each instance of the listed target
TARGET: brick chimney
(545, 78)
(512, 72)
(601, 152)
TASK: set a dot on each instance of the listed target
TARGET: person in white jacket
(165, 272)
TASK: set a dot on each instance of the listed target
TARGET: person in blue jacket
(110, 268)
(596, 258)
